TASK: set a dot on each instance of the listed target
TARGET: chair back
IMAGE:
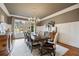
(41, 34)
(52, 35)
(55, 38)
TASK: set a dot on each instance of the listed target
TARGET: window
(18, 25)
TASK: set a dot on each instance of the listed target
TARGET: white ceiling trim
(3, 7)
(73, 7)
(20, 16)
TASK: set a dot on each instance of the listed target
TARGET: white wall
(69, 33)
(40, 29)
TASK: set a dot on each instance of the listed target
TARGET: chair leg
(54, 52)
(40, 52)
(51, 54)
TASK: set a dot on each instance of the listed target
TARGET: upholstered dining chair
(50, 46)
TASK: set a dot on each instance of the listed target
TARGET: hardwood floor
(4, 53)
(73, 51)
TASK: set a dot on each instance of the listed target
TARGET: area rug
(60, 51)
(21, 49)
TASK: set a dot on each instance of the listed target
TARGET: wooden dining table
(41, 41)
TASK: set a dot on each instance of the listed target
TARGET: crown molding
(17, 16)
(3, 7)
(73, 7)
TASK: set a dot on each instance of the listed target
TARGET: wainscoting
(69, 33)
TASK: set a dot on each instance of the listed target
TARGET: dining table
(39, 39)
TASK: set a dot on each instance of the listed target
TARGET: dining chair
(50, 46)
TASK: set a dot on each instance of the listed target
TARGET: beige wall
(6, 19)
(5, 16)
(64, 18)
(67, 17)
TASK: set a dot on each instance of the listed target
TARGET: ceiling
(70, 16)
(40, 10)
